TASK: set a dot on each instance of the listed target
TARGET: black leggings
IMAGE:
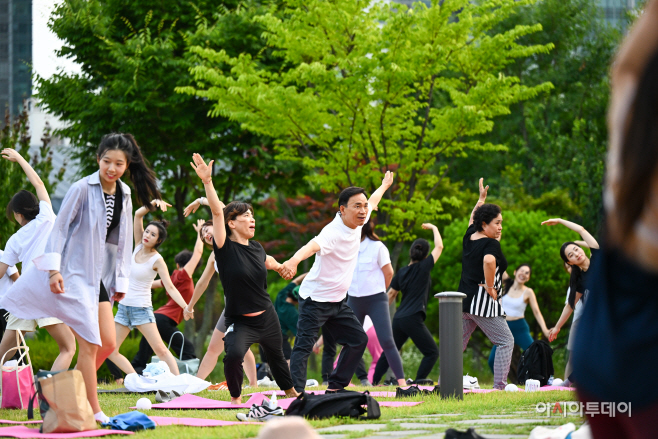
(413, 327)
(241, 333)
(329, 356)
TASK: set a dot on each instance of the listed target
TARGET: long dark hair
(233, 210)
(507, 283)
(419, 250)
(161, 225)
(141, 175)
(25, 203)
(575, 276)
(368, 231)
(639, 153)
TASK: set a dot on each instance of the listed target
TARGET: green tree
(16, 135)
(366, 88)
(556, 142)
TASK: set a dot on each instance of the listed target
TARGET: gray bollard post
(451, 358)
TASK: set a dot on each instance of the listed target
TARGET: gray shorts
(221, 324)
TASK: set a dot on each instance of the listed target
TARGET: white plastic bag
(183, 383)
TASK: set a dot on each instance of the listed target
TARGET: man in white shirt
(323, 291)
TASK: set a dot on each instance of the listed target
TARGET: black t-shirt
(113, 207)
(244, 277)
(579, 280)
(478, 302)
(414, 282)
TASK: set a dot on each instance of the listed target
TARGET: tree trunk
(206, 323)
(395, 254)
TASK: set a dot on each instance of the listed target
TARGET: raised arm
(163, 272)
(376, 196)
(216, 207)
(481, 200)
(138, 222)
(289, 268)
(32, 176)
(587, 237)
(198, 250)
(201, 285)
(438, 242)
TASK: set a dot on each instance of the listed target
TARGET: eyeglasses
(359, 207)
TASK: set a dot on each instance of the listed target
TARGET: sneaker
(410, 381)
(471, 383)
(390, 382)
(424, 382)
(312, 383)
(218, 386)
(405, 393)
(261, 412)
(435, 391)
(366, 383)
(162, 396)
(451, 433)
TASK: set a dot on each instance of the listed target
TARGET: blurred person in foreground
(616, 346)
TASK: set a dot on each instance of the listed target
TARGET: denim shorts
(132, 316)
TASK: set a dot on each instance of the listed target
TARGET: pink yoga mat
(196, 402)
(285, 403)
(195, 422)
(550, 388)
(2, 421)
(24, 432)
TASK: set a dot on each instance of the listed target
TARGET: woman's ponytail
(142, 175)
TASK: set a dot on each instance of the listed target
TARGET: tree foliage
(367, 87)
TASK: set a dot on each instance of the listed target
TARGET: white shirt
(31, 239)
(141, 279)
(6, 281)
(331, 274)
(368, 278)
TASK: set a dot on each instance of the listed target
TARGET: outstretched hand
(483, 190)
(11, 154)
(192, 207)
(387, 181)
(202, 170)
(287, 270)
(162, 205)
(551, 222)
(198, 225)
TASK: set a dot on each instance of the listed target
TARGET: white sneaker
(312, 383)
(471, 383)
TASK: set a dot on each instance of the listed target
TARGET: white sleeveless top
(141, 278)
(514, 306)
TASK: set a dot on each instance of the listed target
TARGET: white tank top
(514, 306)
(141, 278)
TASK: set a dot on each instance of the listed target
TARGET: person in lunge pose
(136, 309)
(36, 218)
(169, 316)
(88, 256)
(242, 264)
(216, 346)
(409, 321)
(483, 265)
(517, 297)
(323, 291)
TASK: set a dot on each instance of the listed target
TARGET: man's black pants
(340, 321)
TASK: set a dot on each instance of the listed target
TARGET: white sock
(101, 417)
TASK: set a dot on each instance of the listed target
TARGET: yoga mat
(2, 421)
(192, 402)
(161, 421)
(24, 432)
(322, 392)
(285, 403)
(124, 390)
(480, 390)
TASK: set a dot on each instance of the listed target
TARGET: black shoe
(451, 433)
(435, 391)
(424, 382)
(390, 382)
(409, 391)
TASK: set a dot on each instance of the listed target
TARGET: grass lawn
(448, 412)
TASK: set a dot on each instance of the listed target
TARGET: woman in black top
(483, 265)
(573, 254)
(242, 265)
(409, 321)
